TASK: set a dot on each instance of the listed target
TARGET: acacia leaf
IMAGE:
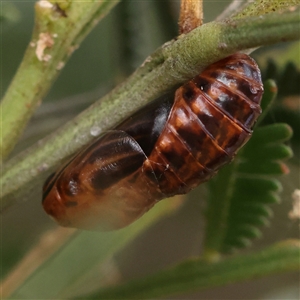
(239, 197)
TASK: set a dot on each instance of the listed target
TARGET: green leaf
(271, 152)
(257, 185)
(248, 231)
(195, 275)
(240, 220)
(170, 65)
(81, 253)
(269, 134)
(239, 196)
(265, 198)
(69, 265)
(255, 209)
(270, 93)
(265, 168)
(283, 67)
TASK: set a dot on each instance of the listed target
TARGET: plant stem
(217, 211)
(57, 33)
(191, 15)
(49, 243)
(195, 275)
(265, 7)
(170, 65)
(58, 266)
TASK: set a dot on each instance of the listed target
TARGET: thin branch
(191, 15)
(79, 255)
(265, 7)
(195, 275)
(49, 243)
(170, 65)
(57, 33)
(52, 115)
(233, 7)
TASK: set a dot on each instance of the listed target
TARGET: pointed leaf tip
(268, 134)
(284, 168)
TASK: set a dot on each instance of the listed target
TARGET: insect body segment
(167, 148)
(210, 120)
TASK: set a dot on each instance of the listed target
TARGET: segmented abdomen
(210, 120)
(167, 148)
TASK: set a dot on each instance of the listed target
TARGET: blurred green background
(119, 44)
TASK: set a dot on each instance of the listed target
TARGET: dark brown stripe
(112, 173)
(146, 125)
(48, 185)
(169, 182)
(105, 147)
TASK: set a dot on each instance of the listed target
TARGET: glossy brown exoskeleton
(167, 148)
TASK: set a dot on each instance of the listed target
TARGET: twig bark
(191, 15)
(170, 65)
(58, 31)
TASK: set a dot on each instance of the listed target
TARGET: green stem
(59, 268)
(219, 201)
(196, 275)
(63, 30)
(263, 7)
(173, 63)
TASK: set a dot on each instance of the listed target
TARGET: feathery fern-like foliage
(239, 197)
(287, 107)
(238, 205)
